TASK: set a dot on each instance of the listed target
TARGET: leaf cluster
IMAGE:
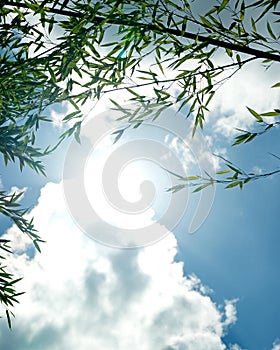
(10, 207)
(230, 177)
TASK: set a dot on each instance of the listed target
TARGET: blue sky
(217, 288)
(234, 254)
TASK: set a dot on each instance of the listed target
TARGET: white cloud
(81, 295)
(249, 87)
(16, 190)
(57, 117)
(230, 312)
(276, 345)
(235, 347)
(257, 170)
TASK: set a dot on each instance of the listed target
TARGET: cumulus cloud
(249, 87)
(276, 345)
(82, 295)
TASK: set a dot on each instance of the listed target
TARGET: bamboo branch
(158, 27)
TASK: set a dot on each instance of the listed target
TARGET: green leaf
(253, 24)
(71, 116)
(159, 65)
(119, 135)
(51, 23)
(270, 31)
(242, 11)
(220, 172)
(119, 107)
(276, 85)
(206, 22)
(223, 5)
(239, 60)
(15, 281)
(184, 25)
(237, 171)
(133, 92)
(190, 178)
(9, 319)
(241, 139)
(213, 9)
(53, 78)
(36, 245)
(247, 180)
(202, 187)
(176, 188)
(251, 137)
(122, 55)
(255, 114)
(73, 103)
(77, 136)
(271, 114)
(229, 52)
(233, 184)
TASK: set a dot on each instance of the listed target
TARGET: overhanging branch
(160, 28)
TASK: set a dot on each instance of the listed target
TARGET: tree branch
(158, 27)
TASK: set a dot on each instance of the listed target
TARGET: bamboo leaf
(36, 245)
(202, 187)
(255, 114)
(223, 5)
(270, 31)
(176, 188)
(233, 184)
(9, 319)
(220, 172)
(190, 178)
(271, 114)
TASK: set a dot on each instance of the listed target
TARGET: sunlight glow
(138, 180)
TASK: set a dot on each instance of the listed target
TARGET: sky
(209, 286)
